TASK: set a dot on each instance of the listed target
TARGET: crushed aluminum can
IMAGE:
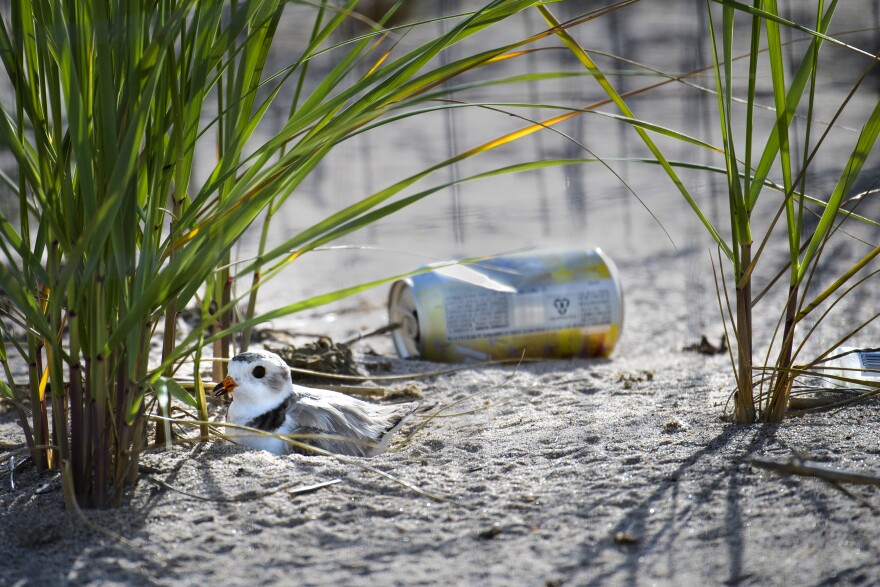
(544, 305)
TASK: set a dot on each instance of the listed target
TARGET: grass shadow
(634, 537)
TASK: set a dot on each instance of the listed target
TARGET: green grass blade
(740, 228)
(783, 120)
(776, 19)
(793, 97)
(612, 93)
(864, 145)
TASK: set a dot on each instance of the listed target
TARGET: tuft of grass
(790, 94)
(757, 161)
(114, 232)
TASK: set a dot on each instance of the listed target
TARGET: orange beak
(225, 387)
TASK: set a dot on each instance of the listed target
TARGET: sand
(575, 472)
(564, 472)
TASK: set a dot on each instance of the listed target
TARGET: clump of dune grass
(113, 233)
(768, 178)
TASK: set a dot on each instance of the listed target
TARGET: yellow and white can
(547, 305)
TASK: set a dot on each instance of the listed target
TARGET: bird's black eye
(259, 371)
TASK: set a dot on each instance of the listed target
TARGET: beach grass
(759, 163)
(115, 232)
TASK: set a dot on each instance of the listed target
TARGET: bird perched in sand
(265, 398)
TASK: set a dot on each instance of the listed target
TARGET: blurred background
(629, 209)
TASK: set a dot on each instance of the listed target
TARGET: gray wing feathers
(368, 426)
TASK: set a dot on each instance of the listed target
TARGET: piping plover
(265, 398)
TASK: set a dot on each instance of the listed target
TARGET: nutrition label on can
(474, 314)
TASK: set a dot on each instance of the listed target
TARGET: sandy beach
(619, 471)
(577, 472)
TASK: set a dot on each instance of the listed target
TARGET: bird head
(255, 375)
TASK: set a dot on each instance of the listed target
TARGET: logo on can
(556, 304)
